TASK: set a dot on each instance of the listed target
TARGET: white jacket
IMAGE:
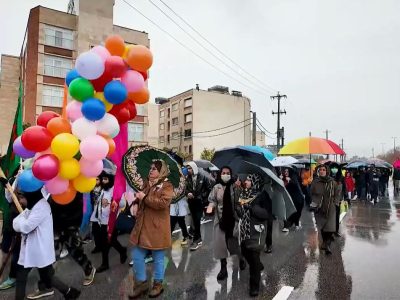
(37, 239)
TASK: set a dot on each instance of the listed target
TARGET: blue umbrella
(268, 154)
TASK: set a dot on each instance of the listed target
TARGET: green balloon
(81, 89)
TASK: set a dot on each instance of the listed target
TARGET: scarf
(164, 173)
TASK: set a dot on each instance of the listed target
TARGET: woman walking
(222, 198)
(293, 187)
(152, 229)
(350, 186)
(323, 195)
(178, 211)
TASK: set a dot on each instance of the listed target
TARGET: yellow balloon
(127, 48)
(69, 168)
(65, 146)
(100, 96)
(84, 184)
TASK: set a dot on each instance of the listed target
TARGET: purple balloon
(20, 150)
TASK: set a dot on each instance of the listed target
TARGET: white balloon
(83, 128)
(108, 125)
(89, 65)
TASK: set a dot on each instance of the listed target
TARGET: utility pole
(279, 113)
(394, 144)
(254, 140)
(327, 137)
(373, 153)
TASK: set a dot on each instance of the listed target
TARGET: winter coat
(296, 194)
(324, 200)
(396, 174)
(153, 229)
(199, 185)
(349, 183)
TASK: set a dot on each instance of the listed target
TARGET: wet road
(364, 264)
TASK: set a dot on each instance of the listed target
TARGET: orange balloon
(140, 97)
(66, 197)
(139, 58)
(115, 45)
(58, 125)
(111, 146)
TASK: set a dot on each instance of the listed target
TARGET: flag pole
(10, 190)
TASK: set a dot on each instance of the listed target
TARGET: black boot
(104, 264)
(223, 274)
(123, 256)
(328, 250)
(72, 294)
(242, 263)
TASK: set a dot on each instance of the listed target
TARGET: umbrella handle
(10, 190)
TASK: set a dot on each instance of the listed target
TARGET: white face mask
(225, 178)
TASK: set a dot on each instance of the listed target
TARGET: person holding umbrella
(292, 185)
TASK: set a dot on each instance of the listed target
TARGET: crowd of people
(242, 222)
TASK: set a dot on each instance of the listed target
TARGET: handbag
(125, 221)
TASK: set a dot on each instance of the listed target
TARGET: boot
(323, 245)
(242, 264)
(72, 294)
(104, 264)
(140, 288)
(223, 274)
(328, 250)
(254, 290)
(123, 256)
(157, 289)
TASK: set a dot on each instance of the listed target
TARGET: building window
(188, 118)
(162, 139)
(52, 96)
(188, 102)
(186, 148)
(141, 109)
(168, 139)
(174, 106)
(175, 122)
(188, 133)
(56, 66)
(59, 37)
(190, 149)
(135, 132)
(169, 113)
(169, 126)
(175, 135)
(162, 126)
(162, 113)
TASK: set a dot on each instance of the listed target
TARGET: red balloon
(36, 138)
(115, 66)
(101, 82)
(132, 109)
(144, 74)
(45, 117)
(46, 167)
(121, 112)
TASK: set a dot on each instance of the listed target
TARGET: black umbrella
(233, 157)
(204, 164)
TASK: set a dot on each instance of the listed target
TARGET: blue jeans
(139, 266)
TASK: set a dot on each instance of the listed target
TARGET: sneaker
(64, 253)
(89, 278)
(196, 245)
(7, 284)
(285, 229)
(148, 260)
(355, 197)
(131, 263)
(41, 294)
(184, 242)
(297, 228)
(72, 294)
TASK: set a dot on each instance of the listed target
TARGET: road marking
(202, 222)
(284, 293)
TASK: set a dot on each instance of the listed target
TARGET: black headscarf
(110, 183)
(227, 222)
(32, 198)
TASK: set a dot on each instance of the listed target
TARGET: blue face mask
(184, 171)
(334, 171)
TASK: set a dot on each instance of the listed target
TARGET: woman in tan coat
(152, 229)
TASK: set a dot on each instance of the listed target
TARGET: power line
(271, 137)
(215, 47)
(257, 85)
(221, 127)
(259, 122)
(189, 49)
(208, 136)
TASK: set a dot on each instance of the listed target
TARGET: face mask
(225, 178)
(334, 171)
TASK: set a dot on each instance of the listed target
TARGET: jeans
(196, 211)
(139, 266)
(182, 225)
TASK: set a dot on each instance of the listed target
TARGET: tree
(207, 154)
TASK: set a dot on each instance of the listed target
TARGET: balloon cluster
(106, 84)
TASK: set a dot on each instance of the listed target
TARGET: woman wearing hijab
(222, 198)
(324, 198)
(252, 209)
(152, 229)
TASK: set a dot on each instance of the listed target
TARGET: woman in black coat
(292, 185)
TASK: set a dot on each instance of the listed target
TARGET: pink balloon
(74, 110)
(57, 185)
(133, 81)
(39, 154)
(94, 148)
(91, 168)
(102, 52)
(46, 167)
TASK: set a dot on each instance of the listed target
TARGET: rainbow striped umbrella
(311, 145)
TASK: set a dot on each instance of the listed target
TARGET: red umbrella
(336, 148)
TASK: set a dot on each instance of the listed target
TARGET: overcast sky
(337, 61)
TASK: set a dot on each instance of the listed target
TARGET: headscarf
(163, 171)
(32, 197)
(194, 167)
(256, 184)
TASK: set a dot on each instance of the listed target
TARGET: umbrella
(109, 167)
(136, 165)
(306, 161)
(268, 154)
(311, 145)
(283, 161)
(205, 164)
(234, 156)
(356, 164)
(379, 163)
(282, 204)
(176, 157)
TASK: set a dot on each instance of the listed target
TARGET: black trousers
(337, 218)
(182, 225)
(47, 279)
(253, 259)
(196, 211)
(327, 236)
(101, 234)
(268, 239)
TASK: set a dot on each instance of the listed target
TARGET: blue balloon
(115, 92)
(27, 182)
(93, 109)
(71, 75)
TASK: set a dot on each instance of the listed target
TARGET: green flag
(10, 162)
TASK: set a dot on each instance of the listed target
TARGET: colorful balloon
(93, 109)
(65, 146)
(100, 96)
(59, 125)
(45, 117)
(69, 169)
(94, 148)
(84, 184)
(108, 125)
(36, 138)
(133, 81)
(74, 110)
(27, 163)
(101, 82)
(81, 89)
(121, 112)
(91, 168)
(101, 51)
(115, 45)
(115, 92)
(83, 128)
(139, 58)
(57, 185)
(46, 167)
(27, 182)
(127, 48)
(71, 75)
(20, 150)
(89, 65)
(65, 198)
(115, 66)
(132, 109)
(140, 97)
